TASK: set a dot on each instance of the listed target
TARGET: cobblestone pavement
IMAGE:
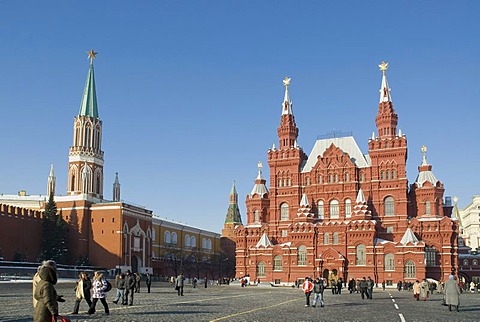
(253, 303)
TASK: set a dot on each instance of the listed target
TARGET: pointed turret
(233, 213)
(87, 144)
(288, 131)
(305, 210)
(116, 188)
(425, 173)
(360, 210)
(259, 188)
(386, 119)
(51, 182)
(88, 107)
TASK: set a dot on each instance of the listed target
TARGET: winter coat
(307, 286)
(424, 290)
(46, 295)
(452, 292)
(179, 282)
(79, 290)
(121, 283)
(130, 282)
(318, 287)
(99, 287)
(416, 288)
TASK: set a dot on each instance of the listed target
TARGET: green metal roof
(89, 99)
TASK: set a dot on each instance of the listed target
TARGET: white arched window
(166, 237)
(277, 263)
(320, 209)
(193, 241)
(261, 269)
(326, 238)
(187, 240)
(284, 211)
(348, 208)
(153, 234)
(335, 238)
(204, 243)
(302, 255)
(389, 206)
(209, 244)
(361, 255)
(389, 262)
(334, 211)
(410, 271)
(174, 238)
(256, 217)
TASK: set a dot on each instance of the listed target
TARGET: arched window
(348, 208)
(302, 255)
(261, 269)
(335, 238)
(427, 208)
(361, 255)
(389, 206)
(277, 263)
(174, 238)
(204, 243)
(409, 271)
(193, 241)
(307, 181)
(153, 234)
(394, 174)
(347, 177)
(256, 217)
(326, 238)
(382, 175)
(389, 262)
(284, 215)
(319, 179)
(334, 211)
(465, 262)
(166, 237)
(320, 209)
(187, 240)
(209, 244)
(474, 262)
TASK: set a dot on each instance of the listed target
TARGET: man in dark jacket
(318, 288)
(130, 283)
(148, 281)
(370, 285)
(363, 288)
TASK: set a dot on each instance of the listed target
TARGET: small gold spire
(91, 55)
(260, 165)
(383, 67)
(286, 81)
(424, 149)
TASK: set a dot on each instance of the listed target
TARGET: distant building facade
(112, 234)
(340, 213)
(469, 254)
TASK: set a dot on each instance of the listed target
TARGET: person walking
(45, 295)
(363, 288)
(452, 293)
(82, 291)
(383, 285)
(206, 281)
(333, 284)
(138, 279)
(148, 281)
(318, 288)
(416, 290)
(351, 285)
(370, 285)
(307, 288)
(339, 285)
(99, 287)
(179, 283)
(120, 284)
(424, 290)
(129, 288)
(195, 282)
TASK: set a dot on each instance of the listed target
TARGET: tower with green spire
(233, 213)
(85, 158)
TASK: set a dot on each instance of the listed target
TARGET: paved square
(234, 303)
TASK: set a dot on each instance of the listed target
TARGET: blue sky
(190, 92)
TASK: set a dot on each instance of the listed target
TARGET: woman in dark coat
(46, 295)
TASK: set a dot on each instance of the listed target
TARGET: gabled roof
(264, 241)
(347, 144)
(409, 237)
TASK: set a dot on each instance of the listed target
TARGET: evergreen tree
(53, 234)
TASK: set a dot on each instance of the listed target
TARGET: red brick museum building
(340, 213)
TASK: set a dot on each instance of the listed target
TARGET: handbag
(60, 319)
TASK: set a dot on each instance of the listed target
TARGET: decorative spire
(360, 197)
(233, 213)
(260, 166)
(287, 103)
(88, 106)
(259, 188)
(304, 202)
(116, 188)
(424, 155)
(51, 182)
(384, 90)
(425, 171)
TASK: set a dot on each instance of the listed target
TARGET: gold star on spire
(286, 81)
(383, 66)
(91, 55)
